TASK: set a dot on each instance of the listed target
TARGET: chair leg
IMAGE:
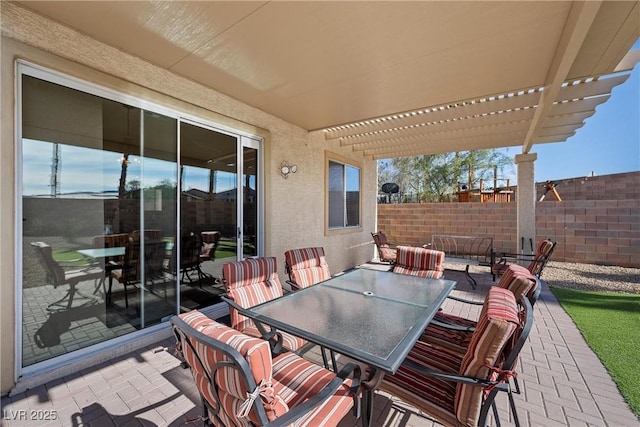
(126, 299)
(108, 297)
(514, 411)
(495, 414)
(66, 302)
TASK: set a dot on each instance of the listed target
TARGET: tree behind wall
(435, 177)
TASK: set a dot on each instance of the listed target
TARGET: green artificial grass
(610, 324)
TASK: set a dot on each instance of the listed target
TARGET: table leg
(368, 387)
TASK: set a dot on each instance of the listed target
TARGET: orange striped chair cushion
(419, 262)
(307, 266)
(542, 252)
(452, 339)
(430, 394)
(252, 282)
(495, 327)
(232, 387)
(518, 280)
(296, 380)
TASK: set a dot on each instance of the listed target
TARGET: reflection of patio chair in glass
(127, 274)
(189, 261)
(154, 257)
(210, 241)
(130, 272)
(151, 235)
(119, 240)
(57, 276)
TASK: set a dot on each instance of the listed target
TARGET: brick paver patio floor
(563, 384)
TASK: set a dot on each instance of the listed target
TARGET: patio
(563, 383)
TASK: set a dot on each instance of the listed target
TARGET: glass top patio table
(103, 252)
(371, 316)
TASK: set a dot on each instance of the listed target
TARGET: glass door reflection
(208, 212)
(159, 190)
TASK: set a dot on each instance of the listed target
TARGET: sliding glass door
(208, 211)
(128, 214)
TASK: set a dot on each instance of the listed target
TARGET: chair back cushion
(210, 241)
(307, 266)
(543, 253)
(497, 323)
(385, 252)
(419, 262)
(518, 280)
(250, 282)
(229, 383)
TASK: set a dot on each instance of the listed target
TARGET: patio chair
(421, 262)
(111, 241)
(306, 267)
(251, 282)
(56, 275)
(242, 384)
(189, 261)
(127, 274)
(210, 241)
(537, 261)
(459, 389)
(454, 332)
(386, 253)
(151, 235)
(130, 273)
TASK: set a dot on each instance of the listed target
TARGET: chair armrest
(451, 326)
(449, 376)
(521, 257)
(272, 335)
(466, 301)
(294, 286)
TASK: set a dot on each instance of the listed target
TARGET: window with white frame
(343, 192)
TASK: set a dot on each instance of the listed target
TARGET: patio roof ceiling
(389, 79)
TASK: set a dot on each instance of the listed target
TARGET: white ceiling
(490, 74)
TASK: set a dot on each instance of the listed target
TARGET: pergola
(388, 78)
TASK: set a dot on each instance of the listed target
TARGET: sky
(608, 143)
(90, 170)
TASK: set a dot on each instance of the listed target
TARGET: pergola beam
(579, 22)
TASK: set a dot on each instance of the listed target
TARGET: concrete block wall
(605, 232)
(619, 186)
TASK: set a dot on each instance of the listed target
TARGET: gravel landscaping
(590, 277)
(584, 277)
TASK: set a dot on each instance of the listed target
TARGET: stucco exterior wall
(294, 208)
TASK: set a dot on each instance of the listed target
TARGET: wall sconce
(286, 169)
